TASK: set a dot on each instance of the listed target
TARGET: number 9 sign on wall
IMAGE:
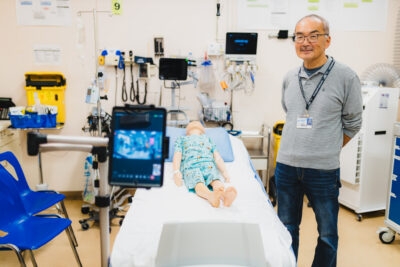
(116, 7)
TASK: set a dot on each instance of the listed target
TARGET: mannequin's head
(194, 127)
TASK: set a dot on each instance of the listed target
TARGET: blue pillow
(218, 135)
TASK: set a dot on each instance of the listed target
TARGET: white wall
(187, 26)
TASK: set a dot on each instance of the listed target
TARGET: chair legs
(71, 238)
(21, 259)
(32, 258)
(64, 211)
(71, 241)
(17, 252)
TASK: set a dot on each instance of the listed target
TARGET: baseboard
(73, 195)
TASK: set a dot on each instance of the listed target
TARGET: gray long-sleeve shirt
(336, 110)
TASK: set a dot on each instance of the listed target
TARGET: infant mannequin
(198, 164)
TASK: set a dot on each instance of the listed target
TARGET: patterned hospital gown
(197, 165)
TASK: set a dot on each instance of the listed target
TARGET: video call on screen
(138, 153)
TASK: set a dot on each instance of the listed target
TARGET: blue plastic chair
(22, 231)
(34, 201)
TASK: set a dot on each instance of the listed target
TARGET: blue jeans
(322, 190)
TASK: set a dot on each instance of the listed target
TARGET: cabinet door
(394, 200)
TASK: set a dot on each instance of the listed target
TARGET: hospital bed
(153, 211)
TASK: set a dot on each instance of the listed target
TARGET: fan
(382, 74)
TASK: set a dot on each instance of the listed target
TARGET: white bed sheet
(137, 241)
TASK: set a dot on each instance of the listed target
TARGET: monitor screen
(241, 43)
(137, 147)
(172, 69)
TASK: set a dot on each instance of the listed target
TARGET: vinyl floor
(359, 243)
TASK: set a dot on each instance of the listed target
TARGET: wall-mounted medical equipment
(158, 46)
(92, 94)
(365, 160)
(239, 76)
(282, 34)
(110, 58)
(240, 67)
(241, 46)
(175, 69)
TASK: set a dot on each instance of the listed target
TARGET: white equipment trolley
(365, 160)
(392, 214)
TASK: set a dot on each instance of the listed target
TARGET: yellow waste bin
(49, 88)
(277, 133)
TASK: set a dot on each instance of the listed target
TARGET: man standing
(323, 104)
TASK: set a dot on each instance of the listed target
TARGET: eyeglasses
(312, 38)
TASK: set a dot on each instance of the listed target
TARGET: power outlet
(215, 49)
(111, 60)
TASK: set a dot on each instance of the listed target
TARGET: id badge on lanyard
(304, 122)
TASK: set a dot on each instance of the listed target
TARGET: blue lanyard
(321, 82)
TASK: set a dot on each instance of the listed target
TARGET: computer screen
(241, 43)
(137, 147)
(173, 69)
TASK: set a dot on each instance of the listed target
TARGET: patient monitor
(241, 46)
(173, 69)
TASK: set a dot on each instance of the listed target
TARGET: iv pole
(38, 143)
(96, 65)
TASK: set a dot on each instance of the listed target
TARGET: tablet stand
(38, 142)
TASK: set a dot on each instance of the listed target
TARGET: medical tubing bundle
(239, 77)
(88, 192)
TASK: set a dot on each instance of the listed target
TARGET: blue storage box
(33, 120)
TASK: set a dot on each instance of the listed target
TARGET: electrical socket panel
(129, 57)
(215, 49)
(111, 60)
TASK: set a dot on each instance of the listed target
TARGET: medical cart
(257, 144)
(219, 115)
(392, 214)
